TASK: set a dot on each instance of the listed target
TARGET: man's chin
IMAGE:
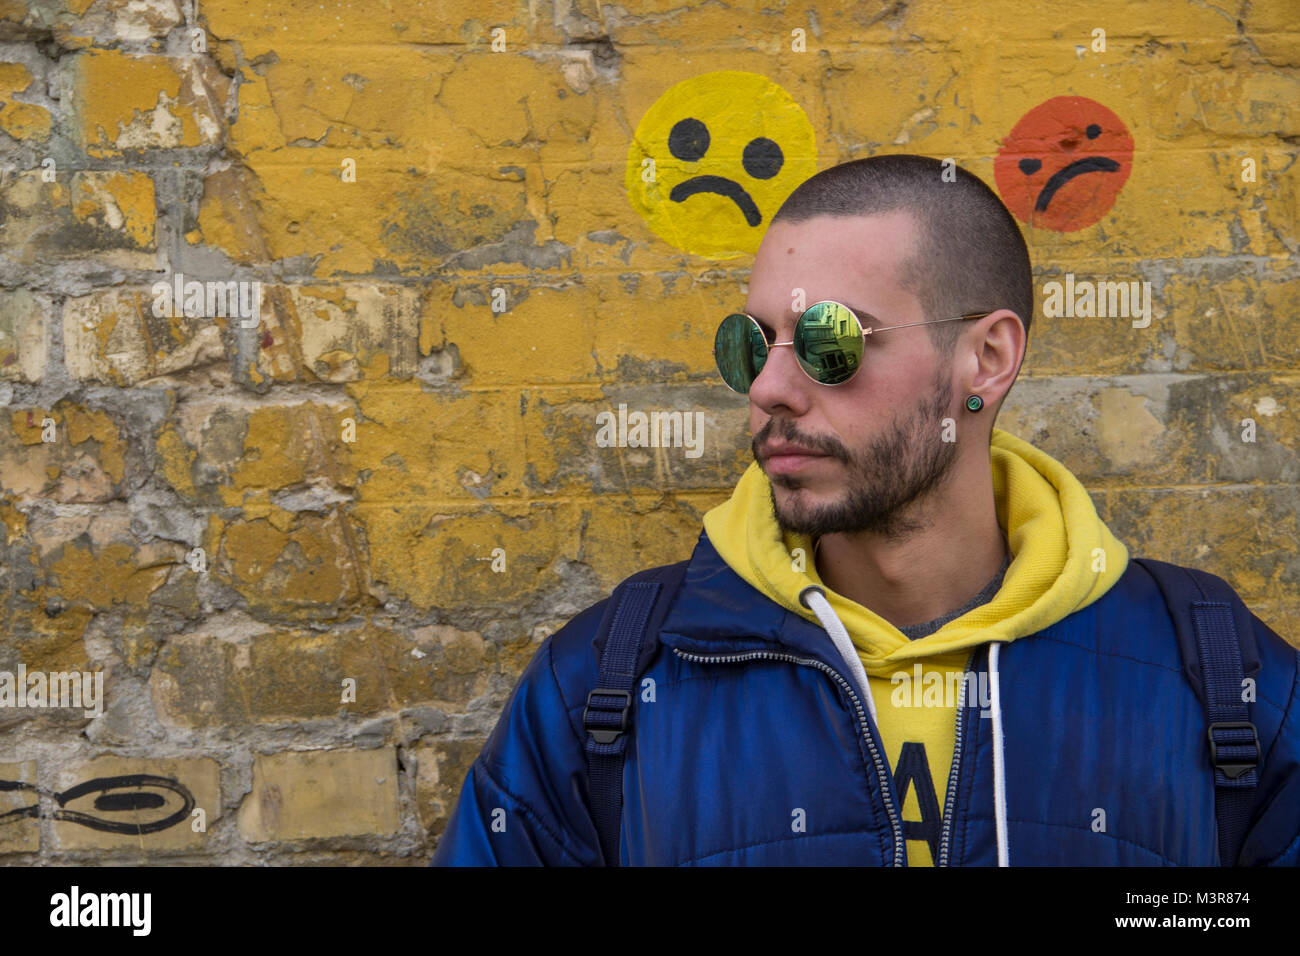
(792, 516)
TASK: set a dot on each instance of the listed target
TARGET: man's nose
(782, 381)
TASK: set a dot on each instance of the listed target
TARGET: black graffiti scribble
(129, 798)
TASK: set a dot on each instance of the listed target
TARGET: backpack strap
(1217, 639)
(637, 607)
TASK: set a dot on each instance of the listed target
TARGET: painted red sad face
(1062, 166)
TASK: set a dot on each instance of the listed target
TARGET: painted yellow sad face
(714, 158)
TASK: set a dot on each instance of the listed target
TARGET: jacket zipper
(882, 772)
(949, 801)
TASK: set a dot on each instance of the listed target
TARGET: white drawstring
(999, 763)
(812, 597)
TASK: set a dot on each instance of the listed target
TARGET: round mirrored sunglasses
(828, 344)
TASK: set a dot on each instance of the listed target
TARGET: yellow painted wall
(460, 266)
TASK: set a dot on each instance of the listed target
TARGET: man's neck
(929, 573)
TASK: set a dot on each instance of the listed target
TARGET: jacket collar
(718, 612)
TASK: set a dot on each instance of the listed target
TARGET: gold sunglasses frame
(864, 329)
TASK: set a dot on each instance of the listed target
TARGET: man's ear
(999, 354)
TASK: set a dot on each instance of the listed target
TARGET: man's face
(879, 435)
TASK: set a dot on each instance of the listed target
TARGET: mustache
(785, 431)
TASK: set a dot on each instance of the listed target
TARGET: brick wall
(279, 537)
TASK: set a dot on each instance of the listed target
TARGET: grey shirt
(915, 631)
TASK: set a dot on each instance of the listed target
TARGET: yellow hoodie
(1063, 558)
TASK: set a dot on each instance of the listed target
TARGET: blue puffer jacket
(756, 718)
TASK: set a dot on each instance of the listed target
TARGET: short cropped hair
(970, 255)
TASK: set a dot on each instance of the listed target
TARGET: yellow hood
(1064, 558)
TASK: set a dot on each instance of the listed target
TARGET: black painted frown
(761, 159)
(1090, 164)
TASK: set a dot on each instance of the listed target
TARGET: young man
(907, 638)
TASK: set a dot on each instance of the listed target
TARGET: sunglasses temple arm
(955, 318)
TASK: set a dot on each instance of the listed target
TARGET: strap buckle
(1237, 766)
(602, 732)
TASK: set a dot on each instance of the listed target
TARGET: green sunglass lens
(740, 351)
(828, 343)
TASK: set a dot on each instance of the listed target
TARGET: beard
(887, 479)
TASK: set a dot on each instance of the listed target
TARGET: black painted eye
(762, 158)
(688, 140)
(1093, 131)
(1030, 166)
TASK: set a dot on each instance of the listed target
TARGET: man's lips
(772, 451)
(783, 459)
